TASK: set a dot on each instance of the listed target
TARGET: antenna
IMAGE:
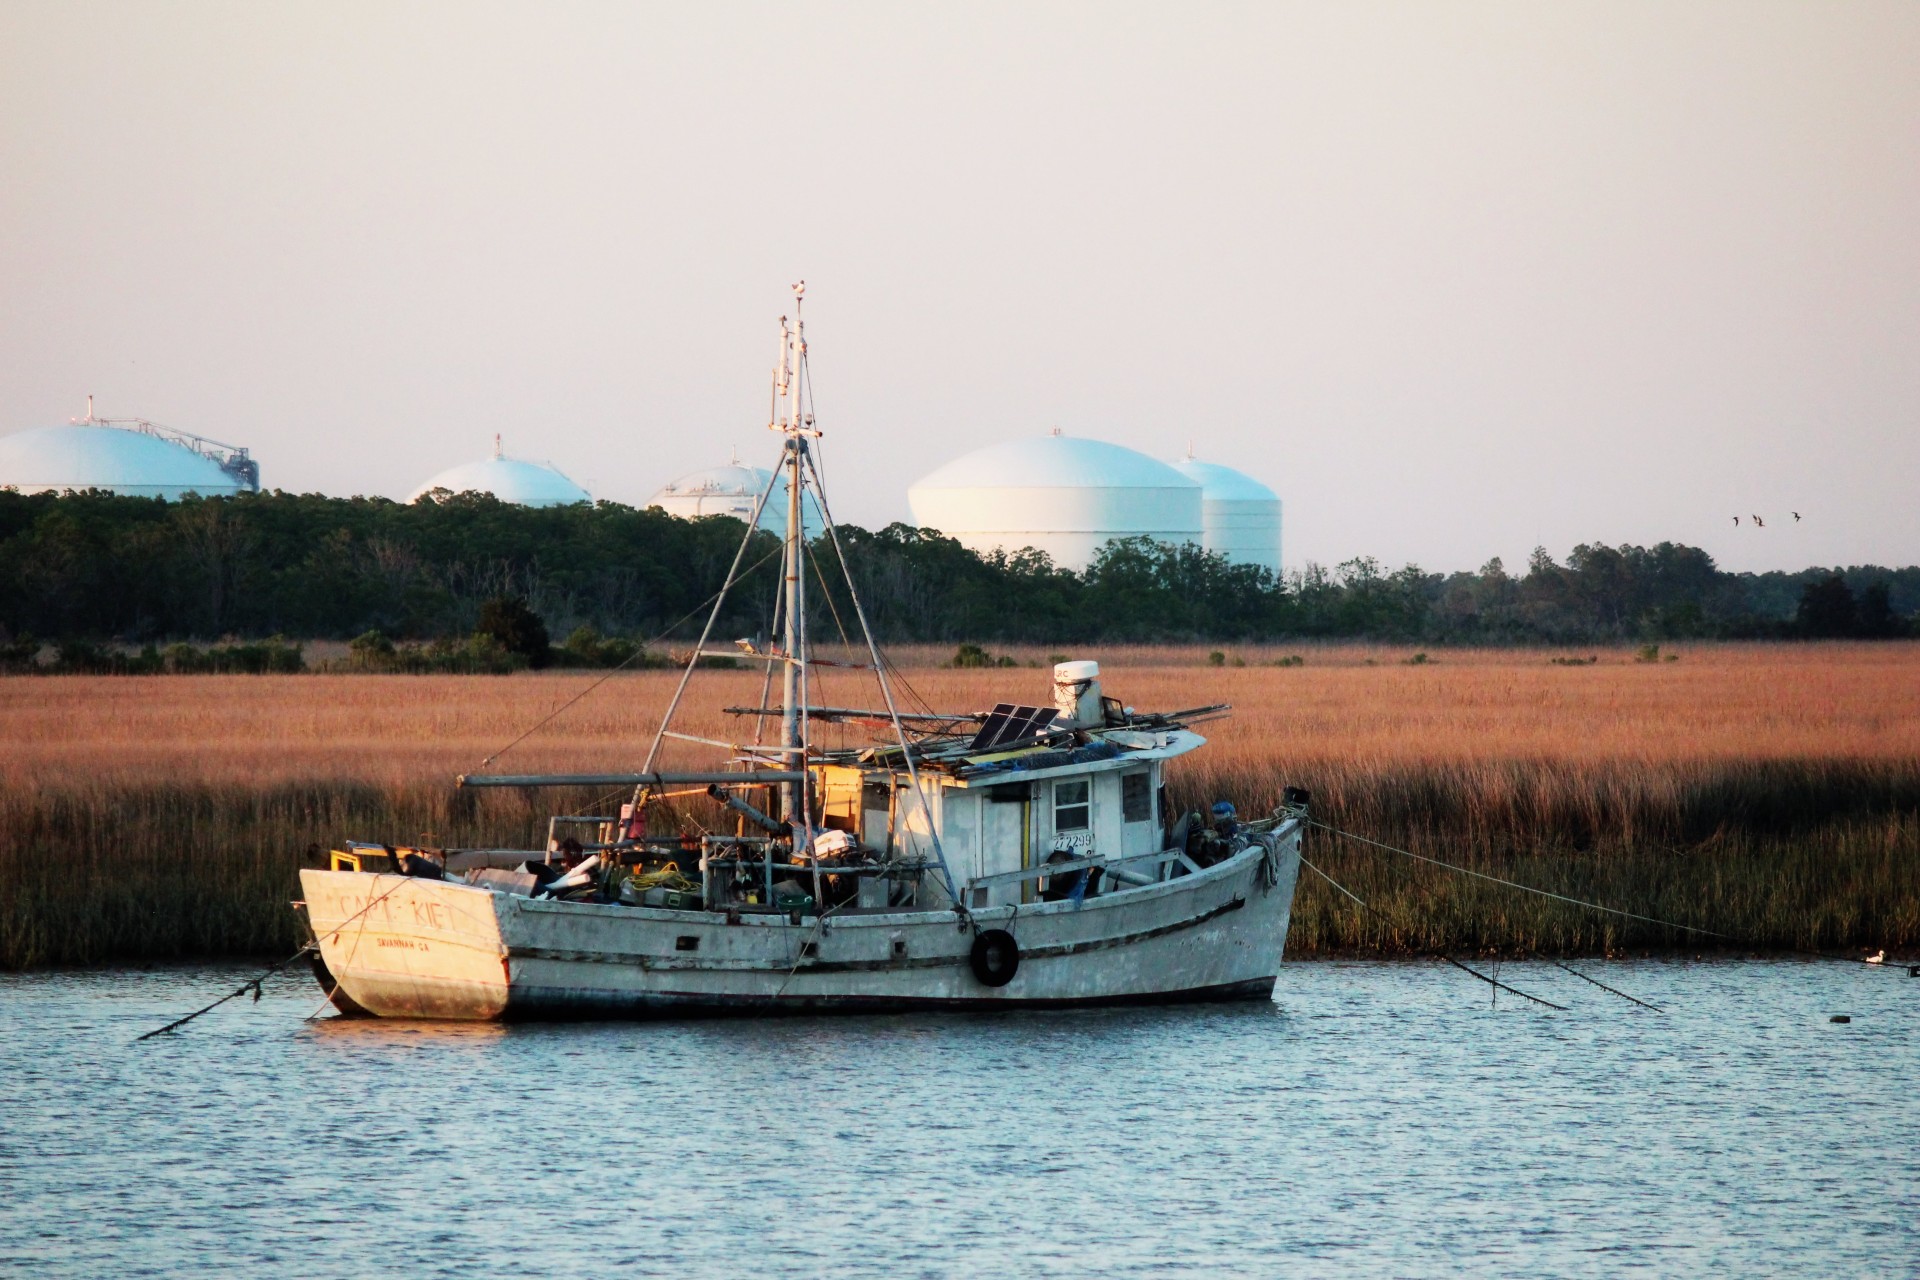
(791, 415)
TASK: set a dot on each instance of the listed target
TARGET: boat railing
(1070, 865)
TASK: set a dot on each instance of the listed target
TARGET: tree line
(98, 568)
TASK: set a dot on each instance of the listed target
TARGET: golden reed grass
(1768, 793)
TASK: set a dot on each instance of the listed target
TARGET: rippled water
(1377, 1119)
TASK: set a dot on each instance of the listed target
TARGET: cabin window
(1136, 798)
(1070, 806)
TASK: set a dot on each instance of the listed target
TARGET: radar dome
(130, 460)
(515, 480)
(1240, 517)
(731, 491)
(1059, 494)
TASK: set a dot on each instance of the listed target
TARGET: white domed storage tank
(1240, 516)
(731, 491)
(1063, 495)
(515, 480)
(136, 461)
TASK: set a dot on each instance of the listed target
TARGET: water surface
(1378, 1118)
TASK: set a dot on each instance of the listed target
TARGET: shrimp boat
(1016, 857)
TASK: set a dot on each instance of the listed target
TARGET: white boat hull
(401, 947)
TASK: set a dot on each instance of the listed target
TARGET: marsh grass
(1775, 855)
(146, 872)
(1766, 793)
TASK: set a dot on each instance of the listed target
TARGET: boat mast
(797, 426)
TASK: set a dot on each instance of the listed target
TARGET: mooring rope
(1330, 880)
(314, 946)
(1595, 906)
(252, 984)
(1524, 888)
(1603, 986)
(1499, 985)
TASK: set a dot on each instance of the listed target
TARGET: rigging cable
(719, 598)
(886, 659)
(886, 693)
(674, 626)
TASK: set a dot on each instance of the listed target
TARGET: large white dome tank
(1240, 516)
(124, 460)
(731, 491)
(515, 480)
(1059, 494)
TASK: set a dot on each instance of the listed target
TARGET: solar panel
(1010, 722)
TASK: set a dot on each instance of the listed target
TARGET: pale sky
(1455, 279)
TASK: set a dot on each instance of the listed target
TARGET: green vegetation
(275, 656)
(972, 655)
(136, 571)
(518, 630)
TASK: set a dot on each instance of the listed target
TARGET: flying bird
(1759, 523)
(1736, 522)
(1796, 517)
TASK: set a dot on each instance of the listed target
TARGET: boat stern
(408, 947)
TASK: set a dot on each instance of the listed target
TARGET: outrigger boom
(763, 777)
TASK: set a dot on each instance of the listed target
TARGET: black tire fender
(996, 957)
